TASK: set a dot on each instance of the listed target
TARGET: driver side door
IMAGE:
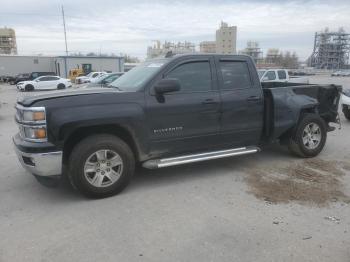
(185, 120)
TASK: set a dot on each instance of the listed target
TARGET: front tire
(101, 166)
(29, 88)
(309, 136)
(346, 111)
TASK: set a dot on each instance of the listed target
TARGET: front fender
(64, 121)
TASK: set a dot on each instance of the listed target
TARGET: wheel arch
(81, 133)
(290, 131)
(31, 87)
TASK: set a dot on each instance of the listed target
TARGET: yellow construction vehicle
(74, 73)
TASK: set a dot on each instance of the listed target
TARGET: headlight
(30, 115)
(33, 133)
(33, 116)
(32, 123)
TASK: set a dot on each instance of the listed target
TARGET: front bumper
(41, 164)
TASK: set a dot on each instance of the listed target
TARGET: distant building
(60, 65)
(254, 51)
(226, 38)
(273, 56)
(159, 49)
(8, 44)
(207, 47)
(331, 50)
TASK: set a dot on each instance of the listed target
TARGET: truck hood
(29, 100)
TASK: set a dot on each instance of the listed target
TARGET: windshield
(109, 79)
(101, 78)
(261, 73)
(134, 79)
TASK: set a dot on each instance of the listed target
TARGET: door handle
(253, 98)
(209, 102)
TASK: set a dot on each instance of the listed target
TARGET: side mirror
(265, 78)
(167, 86)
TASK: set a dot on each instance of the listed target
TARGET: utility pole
(64, 28)
(65, 40)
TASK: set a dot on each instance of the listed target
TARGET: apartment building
(226, 38)
(8, 44)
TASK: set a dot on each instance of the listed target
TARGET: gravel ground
(264, 207)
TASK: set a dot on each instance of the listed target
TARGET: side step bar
(174, 161)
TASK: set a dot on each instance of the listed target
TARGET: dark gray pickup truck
(167, 112)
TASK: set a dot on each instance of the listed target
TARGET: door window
(193, 76)
(235, 75)
(44, 78)
(271, 75)
(51, 78)
(282, 74)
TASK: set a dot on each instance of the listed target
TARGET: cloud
(130, 26)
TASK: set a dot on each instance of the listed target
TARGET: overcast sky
(130, 26)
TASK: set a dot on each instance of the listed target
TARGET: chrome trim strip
(34, 108)
(159, 163)
(201, 154)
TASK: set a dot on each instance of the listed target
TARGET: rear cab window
(282, 74)
(235, 75)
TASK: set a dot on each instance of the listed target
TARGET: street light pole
(65, 40)
(64, 28)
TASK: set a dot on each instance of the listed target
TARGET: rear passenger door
(242, 102)
(54, 81)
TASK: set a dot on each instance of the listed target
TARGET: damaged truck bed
(285, 103)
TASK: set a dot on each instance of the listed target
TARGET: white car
(89, 78)
(345, 102)
(280, 75)
(44, 83)
(341, 73)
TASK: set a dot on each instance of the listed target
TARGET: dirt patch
(314, 181)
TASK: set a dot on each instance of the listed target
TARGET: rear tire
(101, 166)
(61, 86)
(309, 136)
(29, 88)
(346, 111)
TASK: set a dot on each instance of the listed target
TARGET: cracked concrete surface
(221, 210)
